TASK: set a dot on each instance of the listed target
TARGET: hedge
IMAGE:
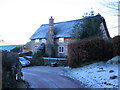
(116, 45)
(10, 66)
(37, 59)
(87, 50)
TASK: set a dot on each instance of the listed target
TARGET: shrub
(108, 49)
(87, 50)
(37, 58)
(87, 27)
(37, 54)
(116, 45)
(50, 50)
(37, 62)
(10, 66)
(73, 56)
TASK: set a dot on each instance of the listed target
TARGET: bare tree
(113, 5)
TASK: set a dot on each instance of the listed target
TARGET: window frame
(61, 40)
(61, 49)
(43, 40)
(37, 40)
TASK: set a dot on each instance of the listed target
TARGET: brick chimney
(51, 31)
(50, 39)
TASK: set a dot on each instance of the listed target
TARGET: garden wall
(59, 61)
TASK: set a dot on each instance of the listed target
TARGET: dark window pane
(62, 49)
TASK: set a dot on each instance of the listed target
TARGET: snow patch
(97, 75)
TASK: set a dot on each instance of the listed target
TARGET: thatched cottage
(56, 36)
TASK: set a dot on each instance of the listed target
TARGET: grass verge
(22, 84)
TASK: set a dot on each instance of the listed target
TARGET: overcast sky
(19, 19)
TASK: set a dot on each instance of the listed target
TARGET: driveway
(49, 77)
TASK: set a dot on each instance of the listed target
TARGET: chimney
(50, 38)
(51, 26)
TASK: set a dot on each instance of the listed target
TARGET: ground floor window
(61, 49)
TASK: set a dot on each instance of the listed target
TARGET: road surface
(48, 77)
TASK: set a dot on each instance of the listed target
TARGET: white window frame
(61, 39)
(37, 40)
(36, 48)
(43, 40)
(61, 49)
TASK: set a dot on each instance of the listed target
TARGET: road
(48, 77)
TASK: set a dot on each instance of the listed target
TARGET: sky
(19, 19)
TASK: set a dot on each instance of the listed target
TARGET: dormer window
(43, 40)
(61, 39)
(36, 40)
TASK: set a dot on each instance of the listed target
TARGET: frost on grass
(97, 75)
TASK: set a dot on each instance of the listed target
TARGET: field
(9, 47)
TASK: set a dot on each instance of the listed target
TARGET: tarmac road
(48, 77)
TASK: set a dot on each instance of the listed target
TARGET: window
(61, 49)
(35, 48)
(43, 40)
(61, 39)
(36, 40)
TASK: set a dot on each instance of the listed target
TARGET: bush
(10, 67)
(108, 49)
(73, 57)
(37, 62)
(87, 50)
(50, 50)
(116, 45)
(37, 54)
(37, 59)
(87, 27)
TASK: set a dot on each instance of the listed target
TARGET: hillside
(5, 43)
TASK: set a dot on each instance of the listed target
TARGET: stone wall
(64, 44)
(32, 46)
(59, 62)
